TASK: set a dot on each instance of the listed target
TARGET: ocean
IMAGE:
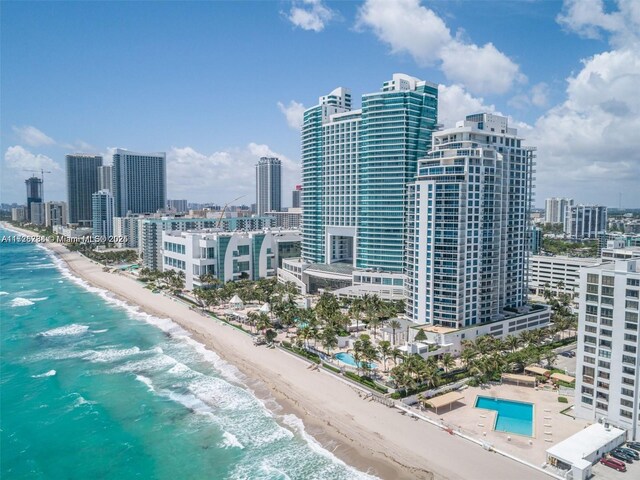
(92, 388)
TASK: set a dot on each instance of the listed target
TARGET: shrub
(366, 381)
(563, 400)
(330, 367)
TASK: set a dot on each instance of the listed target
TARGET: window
(607, 291)
(607, 280)
(633, 293)
(630, 338)
(633, 282)
(592, 278)
(625, 413)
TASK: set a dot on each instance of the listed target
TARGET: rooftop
(575, 448)
(341, 268)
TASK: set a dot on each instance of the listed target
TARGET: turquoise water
(349, 360)
(513, 417)
(93, 388)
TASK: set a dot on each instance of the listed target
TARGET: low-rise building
(289, 219)
(560, 274)
(226, 255)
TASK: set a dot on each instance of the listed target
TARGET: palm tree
(447, 362)
(468, 355)
(550, 357)
(329, 339)
(512, 342)
(395, 325)
(263, 322)
(396, 354)
(384, 347)
(355, 311)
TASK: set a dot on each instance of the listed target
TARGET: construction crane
(42, 172)
(225, 208)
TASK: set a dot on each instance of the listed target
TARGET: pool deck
(549, 425)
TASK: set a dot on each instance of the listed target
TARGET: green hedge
(330, 367)
(366, 381)
(302, 352)
(563, 400)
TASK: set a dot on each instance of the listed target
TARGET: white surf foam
(230, 440)
(80, 401)
(39, 299)
(50, 373)
(3, 293)
(20, 302)
(146, 381)
(73, 329)
(111, 354)
(100, 331)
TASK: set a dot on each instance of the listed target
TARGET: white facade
(555, 209)
(105, 178)
(226, 256)
(55, 213)
(289, 219)
(128, 229)
(559, 274)
(37, 213)
(608, 370)
(19, 214)
(467, 241)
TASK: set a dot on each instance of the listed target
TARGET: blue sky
(218, 84)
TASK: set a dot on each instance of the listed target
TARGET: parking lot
(566, 363)
(605, 473)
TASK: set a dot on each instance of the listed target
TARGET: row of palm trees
(168, 280)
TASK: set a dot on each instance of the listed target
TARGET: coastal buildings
(288, 219)
(102, 205)
(608, 363)
(467, 240)
(295, 197)
(139, 182)
(36, 213)
(535, 240)
(178, 206)
(227, 255)
(555, 209)
(585, 221)
(268, 185)
(34, 193)
(150, 232)
(55, 213)
(105, 178)
(82, 183)
(356, 165)
(19, 214)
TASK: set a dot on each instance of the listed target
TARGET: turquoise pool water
(513, 417)
(348, 359)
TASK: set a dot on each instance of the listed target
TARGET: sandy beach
(371, 437)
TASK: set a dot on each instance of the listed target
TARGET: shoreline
(368, 436)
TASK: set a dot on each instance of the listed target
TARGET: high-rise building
(468, 233)
(585, 221)
(82, 183)
(295, 197)
(268, 185)
(535, 240)
(37, 213)
(34, 193)
(139, 182)
(178, 206)
(608, 358)
(102, 214)
(105, 178)
(19, 214)
(555, 209)
(356, 165)
(55, 213)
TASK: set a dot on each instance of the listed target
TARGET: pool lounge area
(511, 417)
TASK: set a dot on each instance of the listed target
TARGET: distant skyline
(217, 85)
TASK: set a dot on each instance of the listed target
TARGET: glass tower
(139, 182)
(268, 185)
(356, 165)
(82, 183)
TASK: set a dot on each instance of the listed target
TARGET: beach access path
(367, 435)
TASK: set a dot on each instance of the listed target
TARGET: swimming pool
(512, 417)
(348, 359)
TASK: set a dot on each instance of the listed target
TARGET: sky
(216, 85)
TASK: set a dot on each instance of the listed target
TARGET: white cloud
(591, 140)
(455, 103)
(588, 18)
(409, 27)
(223, 175)
(294, 113)
(18, 158)
(33, 137)
(310, 15)
(537, 96)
